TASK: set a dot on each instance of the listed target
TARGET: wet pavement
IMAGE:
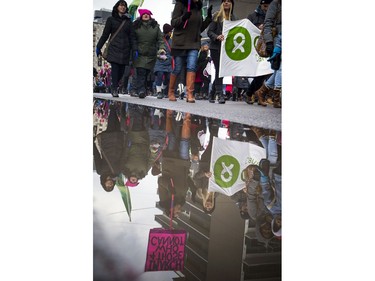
(155, 167)
(235, 111)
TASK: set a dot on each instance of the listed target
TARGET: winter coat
(257, 17)
(188, 38)
(150, 40)
(110, 155)
(138, 154)
(201, 65)
(138, 146)
(120, 48)
(177, 170)
(165, 65)
(214, 30)
(272, 19)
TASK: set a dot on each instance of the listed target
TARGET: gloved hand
(269, 48)
(98, 52)
(276, 51)
(209, 12)
(275, 59)
(186, 16)
(135, 54)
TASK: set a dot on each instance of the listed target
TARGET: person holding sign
(216, 37)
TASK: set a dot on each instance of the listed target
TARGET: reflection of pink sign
(166, 249)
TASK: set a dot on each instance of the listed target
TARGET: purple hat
(129, 183)
(144, 11)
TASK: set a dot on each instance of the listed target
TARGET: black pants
(116, 73)
(113, 122)
(218, 82)
(141, 79)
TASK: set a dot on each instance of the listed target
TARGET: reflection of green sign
(226, 171)
(238, 43)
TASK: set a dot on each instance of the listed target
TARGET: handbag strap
(117, 31)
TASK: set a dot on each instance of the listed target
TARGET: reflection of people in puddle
(109, 148)
(158, 139)
(175, 165)
(263, 199)
(209, 202)
(136, 165)
(201, 178)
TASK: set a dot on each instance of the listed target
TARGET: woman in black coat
(109, 151)
(121, 46)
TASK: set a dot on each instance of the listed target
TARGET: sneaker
(142, 95)
(159, 95)
(115, 94)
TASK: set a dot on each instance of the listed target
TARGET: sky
(123, 241)
(161, 9)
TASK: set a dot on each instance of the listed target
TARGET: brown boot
(190, 78)
(172, 86)
(186, 127)
(261, 93)
(168, 120)
(276, 98)
(269, 97)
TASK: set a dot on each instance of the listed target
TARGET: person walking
(257, 18)
(120, 47)
(215, 31)
(164, 63)
(272, 26)
(188, 25)
(149, 39)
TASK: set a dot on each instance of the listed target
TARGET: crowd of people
(136, 141)
(175, 62)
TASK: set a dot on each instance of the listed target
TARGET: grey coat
(273, 19)
(257, 17)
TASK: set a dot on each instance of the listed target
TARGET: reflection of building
(101, 16)
(222, 246)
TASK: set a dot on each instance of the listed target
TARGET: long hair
(221, 15)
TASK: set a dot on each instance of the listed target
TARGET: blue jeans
(191, 62)
(184, 146)
(274, 82)
(270, 145)
(271, 197)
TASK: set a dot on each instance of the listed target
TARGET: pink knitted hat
(144, 11)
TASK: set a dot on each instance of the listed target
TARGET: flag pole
(189, 2)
